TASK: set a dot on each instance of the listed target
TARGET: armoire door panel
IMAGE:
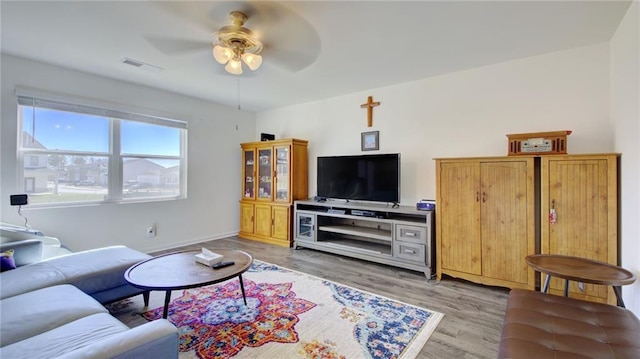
(504, 220)
(582, 192)
(578, 194)
(461, 231)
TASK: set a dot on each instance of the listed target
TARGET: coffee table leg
(616, 290)
(167, 299)
(242, 289)
(566, 287)
(145, 297)
(545, 288)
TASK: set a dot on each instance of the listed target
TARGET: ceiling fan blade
(289, 39)
(289, 60)
(196, 13)
(172, 46)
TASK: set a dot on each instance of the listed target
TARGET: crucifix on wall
(369, 106)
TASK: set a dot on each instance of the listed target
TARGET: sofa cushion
(27, 278)
(538, 325)
(65, 338)
(94, 270)
(36, 312)
(153, 340)
(91, 271)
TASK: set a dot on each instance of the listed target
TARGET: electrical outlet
(151, 232)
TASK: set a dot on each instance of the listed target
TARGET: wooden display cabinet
(274, 175)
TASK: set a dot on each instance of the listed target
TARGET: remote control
(222, 265)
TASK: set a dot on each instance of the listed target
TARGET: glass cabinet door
(305, 226)
(249, 173)
(264, 173)
(282, 173)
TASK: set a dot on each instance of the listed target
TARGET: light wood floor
(473, 313)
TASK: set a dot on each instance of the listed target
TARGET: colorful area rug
(288, 315)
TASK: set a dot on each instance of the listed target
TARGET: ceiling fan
(276, 33)
(235, 44)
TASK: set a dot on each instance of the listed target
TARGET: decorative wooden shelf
(538, 143)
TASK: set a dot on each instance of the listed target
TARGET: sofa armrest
(153, 340)
(26, 251)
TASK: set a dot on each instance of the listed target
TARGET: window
(75, 153)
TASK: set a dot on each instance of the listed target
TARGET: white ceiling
(335, 47)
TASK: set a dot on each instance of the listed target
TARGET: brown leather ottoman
(539, 325)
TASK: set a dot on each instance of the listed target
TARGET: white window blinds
(30, 100)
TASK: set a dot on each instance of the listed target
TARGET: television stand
(395, 235)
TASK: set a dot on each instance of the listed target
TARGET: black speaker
(19, 199)
(267, 137)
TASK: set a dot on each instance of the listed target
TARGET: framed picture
(370, 141)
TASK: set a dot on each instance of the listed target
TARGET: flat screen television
(361, 177)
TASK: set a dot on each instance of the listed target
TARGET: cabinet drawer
(413, 234)
(409, 251)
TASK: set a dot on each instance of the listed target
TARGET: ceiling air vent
(140, 64)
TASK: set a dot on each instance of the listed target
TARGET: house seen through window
(74, 153)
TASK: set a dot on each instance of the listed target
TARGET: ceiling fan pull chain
(238, 92)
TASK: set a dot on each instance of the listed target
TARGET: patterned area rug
(288, 315)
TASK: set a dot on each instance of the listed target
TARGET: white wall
(467, 113)
(211, 210)
(625, 116)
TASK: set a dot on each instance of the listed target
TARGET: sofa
(54, 309)
(539, 325)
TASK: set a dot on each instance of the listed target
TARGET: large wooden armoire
(274, 174)
(485, 220)
(492, 212)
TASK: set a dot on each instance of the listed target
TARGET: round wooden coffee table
(581, 270)
(179, 270)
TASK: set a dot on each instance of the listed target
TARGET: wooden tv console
(401, 237)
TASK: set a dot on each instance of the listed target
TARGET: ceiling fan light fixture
(234, 44)
(252, 60)
(222, 54)
(234, 67)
